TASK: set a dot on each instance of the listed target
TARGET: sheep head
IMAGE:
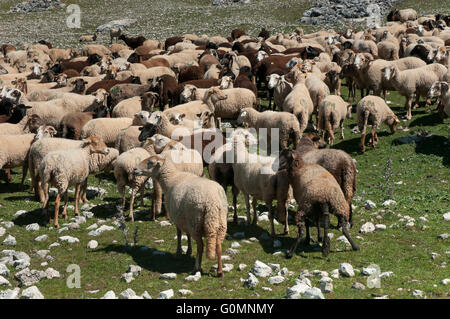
(101, 97)
(45, 131)
(150, 166)
(439, 88)
(95, 145)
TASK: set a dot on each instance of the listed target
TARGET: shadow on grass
(434, 145)
(428, 120)
(33, 216)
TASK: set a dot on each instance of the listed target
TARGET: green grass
(423, 168)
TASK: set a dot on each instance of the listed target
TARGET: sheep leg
(307, 239)
(133, 195)
(300, 225)
(179, 251)
(57, 202)
(77, 198)
(272, 226)
(319, 236)
(219, 259)
(247, 205)
(66, 199)
(83, 197)
(189, 249)
(24, 174)
(142, 191)
(235, 192)
(157, 200)
(408, 107)
(345, 227)
(326, 239)
(373, 138)
(255, 213)
(45, 204)
(342, 129)
(363, 133)
(198, 259)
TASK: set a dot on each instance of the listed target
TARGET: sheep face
(242, 118)
(388, 72)
(438, 89)
(159, 142)
(148, 130)
(150, 166)
(45, 131)
(101, 97)
(392, 122)
(148, 101)
(177, 118)
(79, 85)
(61, 80)
(95, 145)
(261, 55)
(188, 93)
(34, 122)
(206, 118)
(142, 117)
(273, 81)
(226, 82)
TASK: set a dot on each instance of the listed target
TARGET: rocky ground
(36, 6)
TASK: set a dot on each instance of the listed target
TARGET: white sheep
(128, 138)
(196, 205)
(281, 89)
(107, 129)
(192, 93)
(66, 168)
(440, 90)
(332, 112)
(190, 110)
(318, 91)
(373, 110)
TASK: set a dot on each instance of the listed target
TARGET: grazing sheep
(332, 112)
(115, 34)
(107, 129)
(228, 103)
(65, 168)
(414, 82)
(196, 205)
(374, 111)
(298, 101)
(286, 124)
(89, 38)
(317, 194)
(15, 148)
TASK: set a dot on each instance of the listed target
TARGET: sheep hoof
(289, 255)
(220, 274)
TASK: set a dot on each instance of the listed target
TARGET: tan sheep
(332, 112)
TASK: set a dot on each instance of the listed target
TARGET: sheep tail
(214, 230)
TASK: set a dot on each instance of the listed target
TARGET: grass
(423, 168)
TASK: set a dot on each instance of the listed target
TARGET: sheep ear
(444, 86)
(86, 142)
(182, 115)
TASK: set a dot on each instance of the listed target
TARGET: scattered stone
(389, 202)
(69, 239)
(358, 286)
(343, 239)
(447, 216)
(368, 271)
(127, 277)
(326, 287)
(62, 229)
(109, 295)
(4, 282)
(8, 224)
(31, 293)
(54, 245)
(166, 294)
(368, 204)
(41, 238)
(235, 244)
(346, 270)
(417, 293)
(28, 277)
(242, 267)
(443, 236)
(380, 227)
(52, 273)
(10, 241)
(266, 289)
(20, 264)
(251, 281)
(9, 293)
(296, 291)
(92, 244)
(42, 253)
(127, 294)
(100, 230)
(367, 228)
(185, 292)
(32, 227)
(386, 274)
(165, 223)
(4, 271)
(232, 251)
(36, 6)
(2, 231)
(195, 277)
(146, 295)
(260, 269)
(313, 293)
(445, 281)
(168, 276)
(116, 24)
(88, 214)
(276, 280)
(335, 273)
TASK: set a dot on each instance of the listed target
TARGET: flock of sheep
(138, 109)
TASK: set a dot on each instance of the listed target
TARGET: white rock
(32, 227)
(367, 271)
(242, 267)
(20, 264)
(109, 295)
(88, 214)
(20, 213)
(10, 241)
(195, 277)
(251, 281)
(343, 239)
(54, 245)
(127, 277)
(41, 238)
(296, 291)
(185, 292)
(31, 293)
(168, 276)
(52, 273)
(346, 270)
(447, 216)
(164, 223)
(276, 280)
(313, 293)
(443, 236)
(63, 229)
(368, 204)
(166, 294)
(389, 202)
(69, 239)
(367, 228)
(2, 231)
(8, 224)
(386, 274)
(260, 269)
(100, 230)
(445, 281)
(9, 293)
(92, 244)
(235, 244)
(4, 282)
(42, 253)
(380, 227)
(303, 280)
(417, 293)
(4, 271)
(145, 294)
(326, 287)
(335, 273)
(358, 286)
(93, 226)
(266, 288)
(127, 294)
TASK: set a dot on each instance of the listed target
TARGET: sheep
(333, 81)
(206, 120)
(318, 91)
(255, 175)
(128, 138)
(414, 82)
(148, 74)
(242, 81)
(404, 15)
(298, 101)
(65, 168)
(106, 85)
(124, 91)
(317, 194)
(166, 87)
(332, 112)
(72, 123)
(192, 93)
(190, 109)
(440, 90)
(228, 103)
(196, 205)
(89, 38)
(15, 148)
(166, 128)
(107, 129)
(373, 110)
(281, 89)
(388, 47)
(98, 49)
(14, 114)
(286, 123)
(57, 55)
(115, 33)
(213, 72)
